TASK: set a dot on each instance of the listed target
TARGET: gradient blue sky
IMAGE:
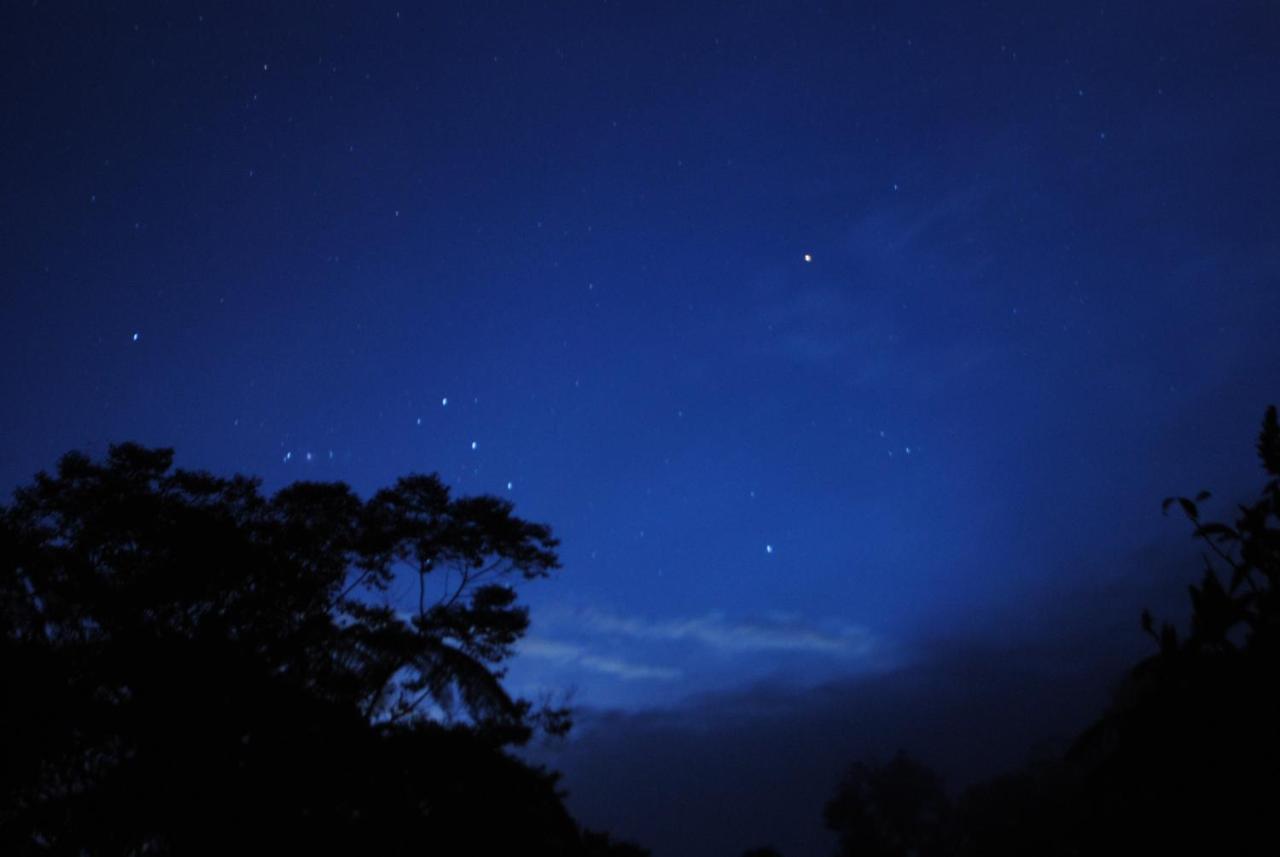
(1044, 293)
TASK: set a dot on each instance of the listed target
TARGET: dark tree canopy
(896, 809)
(193, 667)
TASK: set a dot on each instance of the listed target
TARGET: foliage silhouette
(898, 808)
(599, 844)
(193, 667)
(1185, 760)
(1188, 756)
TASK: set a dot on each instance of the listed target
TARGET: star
(135, 336)
(473, 444)
(808, 257)
(444, 401)
(768, 548)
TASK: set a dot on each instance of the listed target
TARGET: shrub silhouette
(1188, 756)
(193, 667)
(898, 808)
(598, 844)
(1185, 760)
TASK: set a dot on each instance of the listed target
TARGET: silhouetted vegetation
(1185, 760)
(881, 810)
(598, 844)
(193, 667)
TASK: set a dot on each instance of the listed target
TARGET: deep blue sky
(1042, 292)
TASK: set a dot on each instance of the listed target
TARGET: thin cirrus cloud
(774, 633)
(714, 632)
(573, 654)
(615, 660)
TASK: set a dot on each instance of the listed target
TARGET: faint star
(808, 258)
(287, 456)
(135, 336)
(308, 456)
(768, 548)
(473, 444)
(444, 401)
(508, 486)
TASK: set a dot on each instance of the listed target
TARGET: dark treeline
(1186, 760)
(193, 667)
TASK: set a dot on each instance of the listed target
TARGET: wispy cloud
(616, 659)
(773, 633)
(870, 306)
(571, 654)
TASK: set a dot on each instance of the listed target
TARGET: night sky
(849, 349)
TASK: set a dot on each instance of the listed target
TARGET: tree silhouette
(190, 666)
(891, 810)
(598, 844)
(1186, 760)
(1188, 756)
